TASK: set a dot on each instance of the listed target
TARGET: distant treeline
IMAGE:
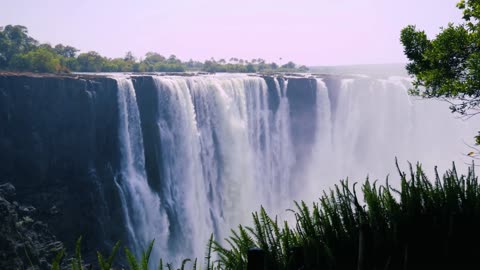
(21, 52)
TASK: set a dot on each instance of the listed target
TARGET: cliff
(24, 240)
(58, 147)
(302, 99)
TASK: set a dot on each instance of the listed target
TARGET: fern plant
(419, 223)
(77, 260)
(107, 263)
(58, 260)
(143, 263)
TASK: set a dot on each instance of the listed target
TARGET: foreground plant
(421, 225)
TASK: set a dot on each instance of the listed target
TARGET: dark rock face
(147, 99)
(24, 240)
(302, 98)
(7, 191)
(59, 147)
(333, 85)
(273, 94)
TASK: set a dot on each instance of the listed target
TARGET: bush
(423, 225)
(38, 60)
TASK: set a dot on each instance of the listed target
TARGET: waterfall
(226, 147)
(368, 122)
(281, 154)
(224, 152)
(144, 216)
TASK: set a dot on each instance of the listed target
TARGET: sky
(309, 32)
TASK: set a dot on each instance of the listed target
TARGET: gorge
(176, 158)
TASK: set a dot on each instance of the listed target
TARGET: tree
(90, 62)
(65, 51)
(273, 65)
(153, 57)
(40, 60)
(46, 46)
(303, 68)
(44, 60)
(448, 66)
(129, 57)
(172, 59)
(289, 65)
(14, 39)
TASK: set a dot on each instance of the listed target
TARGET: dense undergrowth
(425, 224)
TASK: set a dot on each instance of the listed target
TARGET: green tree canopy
(14, 39)
(66, 51)
(20, 52)
(39, 60)
(448, 66)
(152, 58)
(289, 65)
(90, 62)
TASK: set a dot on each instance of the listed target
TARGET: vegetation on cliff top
(21, 52)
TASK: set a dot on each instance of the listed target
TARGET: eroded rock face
(25, 241)
(59, 148)
(148, 102)
(302, 99)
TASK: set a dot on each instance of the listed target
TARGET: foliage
(77, 263)
(143, 263)
(37, 60)
(133, 261)
(14, 39)
(422, 224)
(246, 66)
(448, 66)
(20, 52)
(58, 260)
(90, 62)
(106, 264)
(65, 51)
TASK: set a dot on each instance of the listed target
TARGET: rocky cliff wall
(302, 99)
(59, 148)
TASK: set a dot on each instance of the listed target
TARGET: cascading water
(227, 146)
(222, 151)
(374, 121)
(281, 154)
(144, 216)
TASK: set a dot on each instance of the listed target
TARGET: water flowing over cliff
(228, 144)
(177, 158)
(144, 216)
(223, 153)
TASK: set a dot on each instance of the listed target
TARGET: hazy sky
(311, 32)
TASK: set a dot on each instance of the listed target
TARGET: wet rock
(25, 242)
(59, 148)
(7, 191)
(53, 210)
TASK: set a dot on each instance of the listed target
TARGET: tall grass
(424, 224)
